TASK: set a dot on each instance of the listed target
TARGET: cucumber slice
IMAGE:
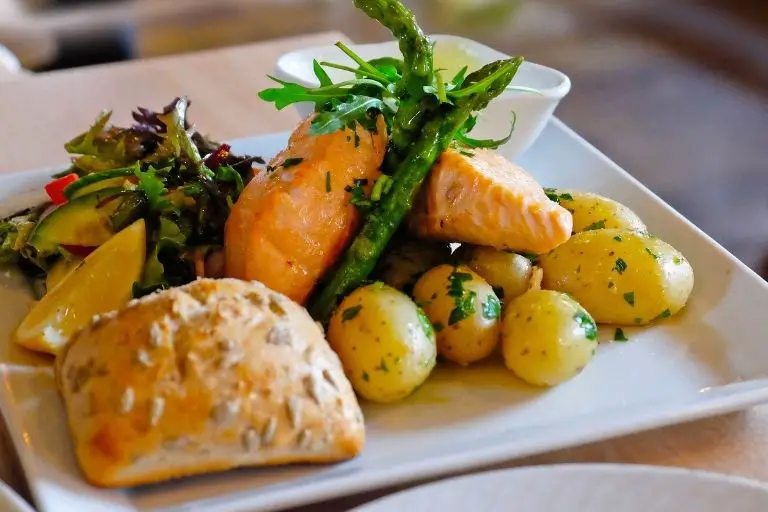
(99, 185)
(83, 221)
(76, 188)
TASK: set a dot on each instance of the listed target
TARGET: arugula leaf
(459, 78)
(391, 67)
(345, 115)
(462, 138)
(291, 93)
(320, 73)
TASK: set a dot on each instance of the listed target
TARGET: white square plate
(711, 359)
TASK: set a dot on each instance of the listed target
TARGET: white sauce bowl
(451, 53)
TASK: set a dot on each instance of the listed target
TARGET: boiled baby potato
(507, 272)
(385, 342)
(592, 211)
(463, 310)
(620, 276)
(547, 337)
(401, 267)
(101, 283)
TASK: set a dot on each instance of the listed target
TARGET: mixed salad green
(159, 169)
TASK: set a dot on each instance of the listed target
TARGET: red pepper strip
(55, 188)
(214, 160)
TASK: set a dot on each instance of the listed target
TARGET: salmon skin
(293, 220)
(482, 198)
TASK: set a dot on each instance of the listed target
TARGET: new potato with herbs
(385, 342)
(507, 272)
(547, 337)
(463, 309)
(592, 211)
(621, 277)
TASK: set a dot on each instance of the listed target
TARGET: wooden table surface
(38, 113)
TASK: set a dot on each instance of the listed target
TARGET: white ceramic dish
(582, 488)
(12, 502)
(711, 359)
(533, 111)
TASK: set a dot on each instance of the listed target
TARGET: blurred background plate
(582, 488)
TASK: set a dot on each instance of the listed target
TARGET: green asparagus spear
(380, 225)
(417, 73)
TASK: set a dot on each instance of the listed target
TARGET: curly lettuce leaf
(177, 139)
(14, 233)
(104, 147)
(169, 237)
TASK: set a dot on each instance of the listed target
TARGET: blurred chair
(28, 48)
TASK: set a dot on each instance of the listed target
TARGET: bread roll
(213, 375)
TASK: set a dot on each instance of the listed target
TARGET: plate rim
(734, 397)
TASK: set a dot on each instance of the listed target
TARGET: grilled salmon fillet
(484, 199)
(292, 221)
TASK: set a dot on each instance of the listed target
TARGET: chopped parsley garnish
(465, 307)
(630, 298)
(491, 308)
(350, 313)
(600, 224)
(610, 284)
(381, 187)
(327, 181)
(366, 378)
(383, 366)
(664, 314)
(652, 254)
(463, 300)
(585, 321)
(425, 323)
(677, 260)
(554, 196)
(619, 335)
(290, 162)
(617, 238)
(621, 266)
(359, 198)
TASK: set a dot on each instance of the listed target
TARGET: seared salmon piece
(487, 200)
(292, 221)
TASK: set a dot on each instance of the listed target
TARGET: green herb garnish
(291, 162)
(620, 266)
(554, 196)
(350, 313)
(491, 308)
(629, 297)
(600, 224)
(619, 335)
(587, 323)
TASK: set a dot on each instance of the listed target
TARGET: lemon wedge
(102, 282)
(60, 270)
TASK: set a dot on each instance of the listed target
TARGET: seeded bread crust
(210, 376)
